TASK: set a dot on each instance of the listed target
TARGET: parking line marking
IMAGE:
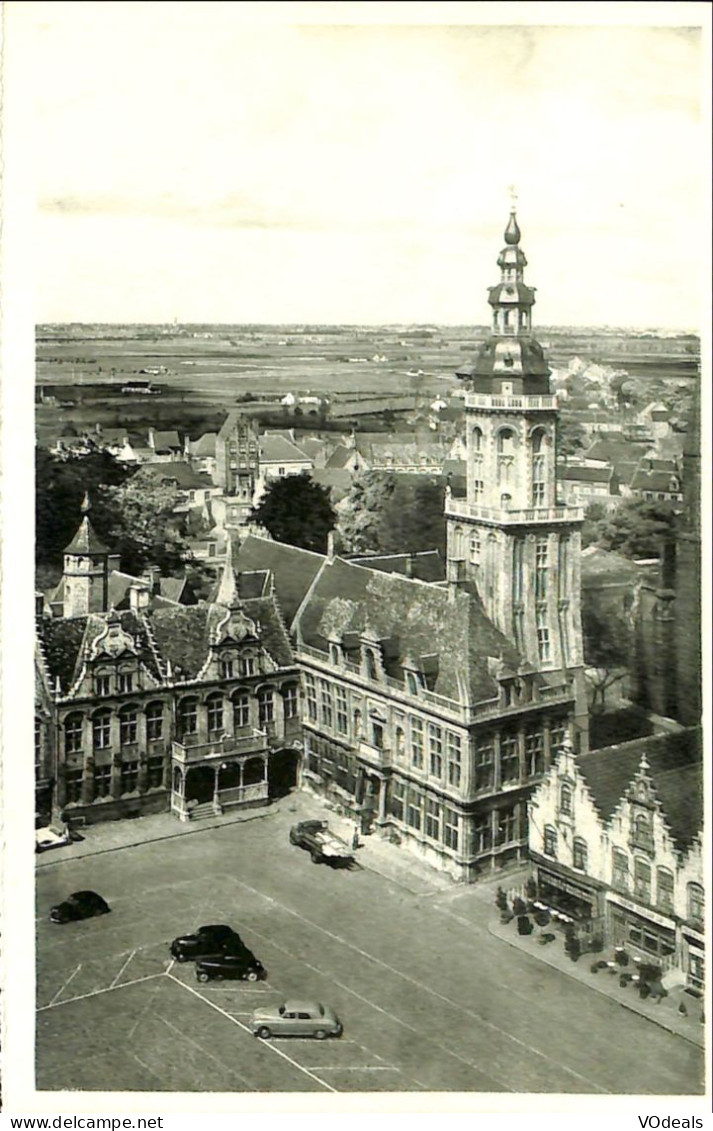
(203, 1051)
(356, 1068)
(95, 993)
(415, 982)
(235, 1021)
(123, 968)
(64, 986)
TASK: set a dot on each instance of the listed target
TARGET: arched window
(579, 854)
(664, 889)
(128, 725)
(506, 442)
(696, 903)
(73, 733)
(477, 441)
(188, 716)
(566, 799)
(400, 742)
(539, 486)
(357, 723)
(241, 709)
(371, 668)
(101, 730)
(214, 707)
(411, 683)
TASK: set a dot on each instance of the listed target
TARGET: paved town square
(429, 998)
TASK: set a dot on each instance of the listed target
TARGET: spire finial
(513, 197)
(228, 590)
(86, 504)
(512, 232)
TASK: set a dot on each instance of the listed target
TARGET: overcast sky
(193, 164)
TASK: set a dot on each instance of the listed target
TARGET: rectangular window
(509, 759)
(73, 734)
(73, 785)
(226, 669)
(518, 553)
(101, 728)
(478, 488)
(124, 682)
(557, 733)
(435, 750)
(128, 728)
(241, 711)
(535, 753)
(475, 550)
(507, 826)
(413, 811)
(543, 636)
(620, 870)
(154, 775)
(483, 833)
(642, 880)
(696, 971)
(342, 710)
(664, 889)
(416, 743)
(129, 777)
(377, 735)
(102, 685)
(538, 481)
(484, 764)
(433, 819)
(102, 781)
(541, 566)
(291, 701)
(696, 903)
(154, 722)
(311, 691)
(327, 704)
(563, 586)
(550, 841)
(398, 791)
(266, 707)
(454, 758)
(247, 665)
(215, 716)
(450, 829)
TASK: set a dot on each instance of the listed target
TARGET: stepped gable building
(195, 709)
(511, 537)
(617, 849)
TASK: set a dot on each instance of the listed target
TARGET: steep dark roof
(427, 565)
(663, 481)
(86, 541)
(165, 441)
(339, 458)
(254, 583)
(293, 570)
(417, 620)
(273, 635)
(278, 449)
(181, 635)
(588, 474)
(61, 643)
(179, 471)
(674, 767)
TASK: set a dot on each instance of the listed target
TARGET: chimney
(138, 597)
(113, 562)
(150, 578)
(409, 565)
(39, 603)
(455, 575)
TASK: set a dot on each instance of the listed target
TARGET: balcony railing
(500, 516)
(507, 403)
(186, 754)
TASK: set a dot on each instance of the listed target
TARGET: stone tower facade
(510, 536)
(86, 570)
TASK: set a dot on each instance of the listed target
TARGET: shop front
(570, 899)
(694, 959)
(642, 932)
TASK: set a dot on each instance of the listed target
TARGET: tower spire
(228, 590)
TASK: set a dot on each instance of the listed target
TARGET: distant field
(203, 370)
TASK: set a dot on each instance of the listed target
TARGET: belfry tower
(510, 536)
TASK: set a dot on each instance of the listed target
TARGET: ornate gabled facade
(511, 536)
(616, 844)
(193, 708)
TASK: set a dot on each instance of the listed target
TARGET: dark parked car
(243, 966)
(213, 939)
(322, 845)
(79, 905)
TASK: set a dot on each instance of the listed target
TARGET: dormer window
(412, 683)
(125, 682)
(372, 668)
(335, 653)
(102, 684)
(565, 807)
(226, 667)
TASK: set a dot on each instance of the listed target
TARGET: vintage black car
(213, 939)
(322, 845)
(79, 905)
(243, 966)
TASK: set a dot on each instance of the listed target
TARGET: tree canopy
(298, 511)
(391, 514)
(132, 511)
(638, 528)
(608, 636)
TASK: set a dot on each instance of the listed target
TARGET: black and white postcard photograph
(356, 513)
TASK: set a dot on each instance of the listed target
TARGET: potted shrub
(542, 917)
(519, 906)
(620, 956)
(596, 944)
(524, 926)
(572, 944)
(531, 888)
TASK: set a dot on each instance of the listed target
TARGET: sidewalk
(373, 853)
(665, 1013)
